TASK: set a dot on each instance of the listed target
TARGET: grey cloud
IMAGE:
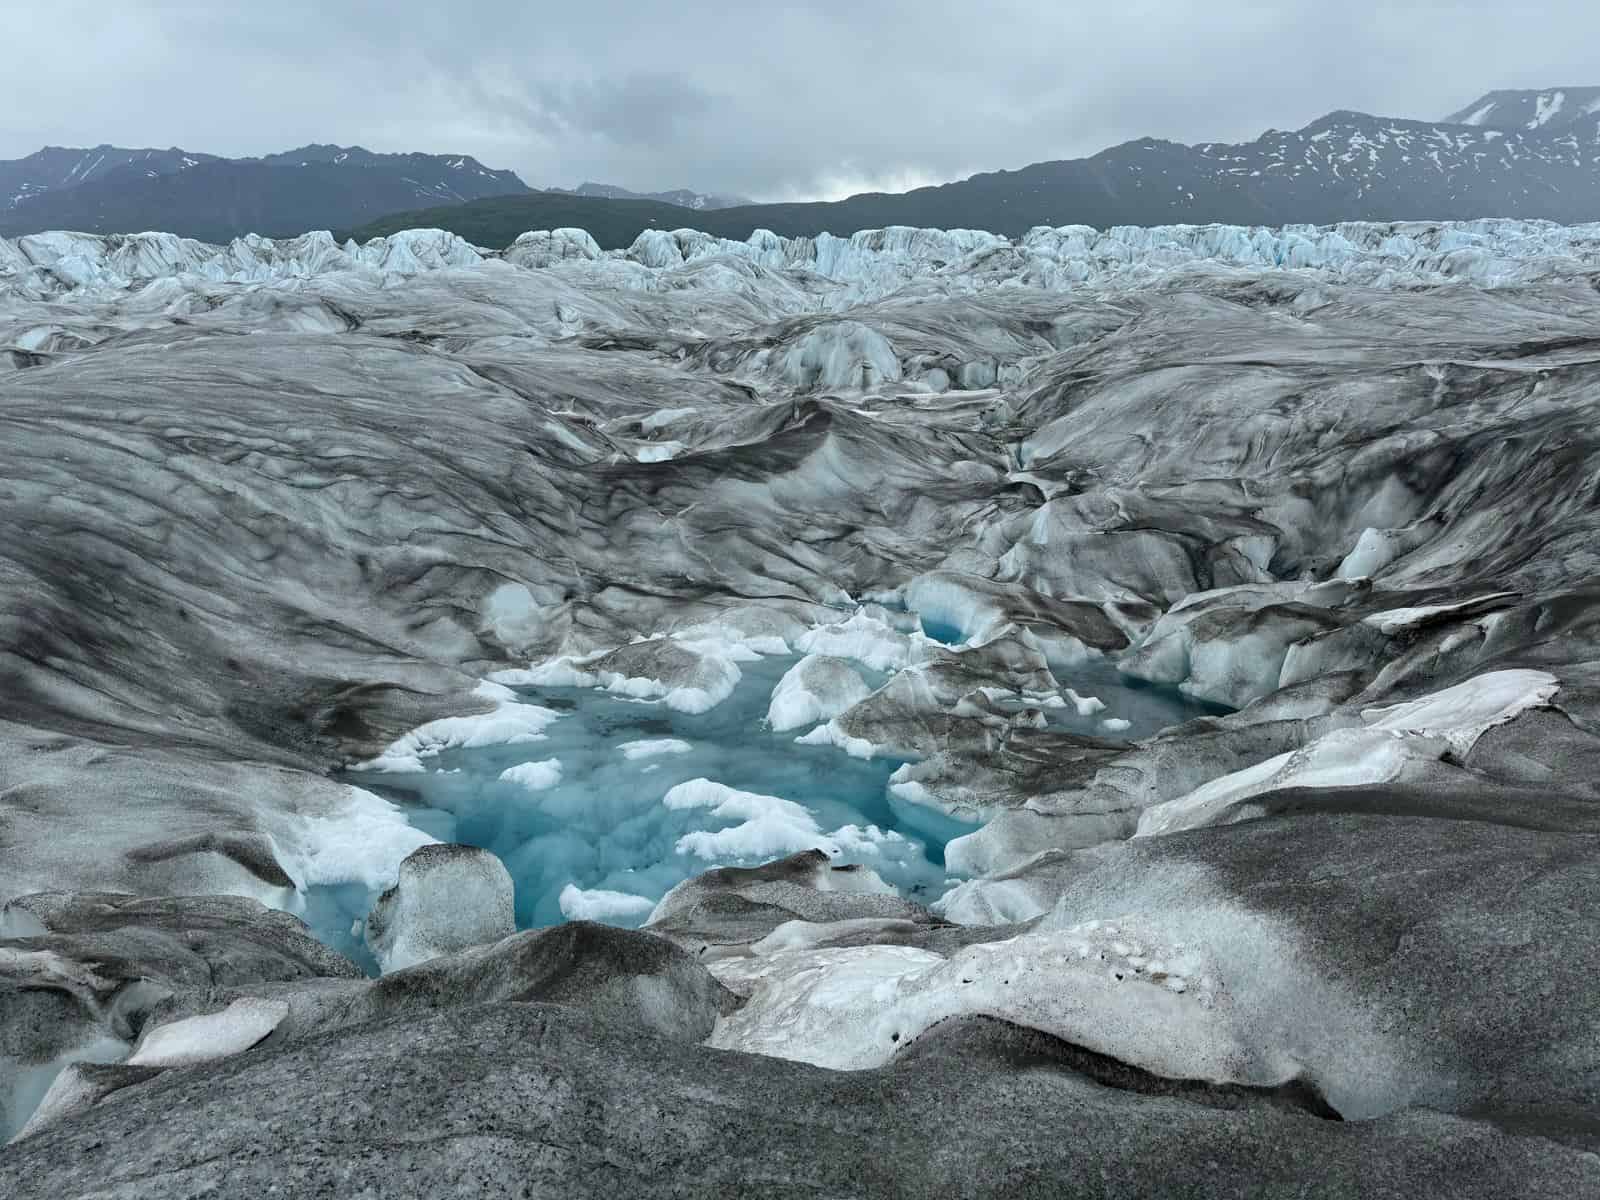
(637, 110)
(776, 101)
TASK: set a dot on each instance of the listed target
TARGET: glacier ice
(867, 265)
(534, 540)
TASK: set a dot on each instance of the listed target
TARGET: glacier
(725, 696)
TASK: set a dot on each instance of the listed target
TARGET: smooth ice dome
(817, 688)
(448, 897)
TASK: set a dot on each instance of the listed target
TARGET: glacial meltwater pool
(620, 799)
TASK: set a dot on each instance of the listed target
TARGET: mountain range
(111, 189)
(1346, 166)
(115, 189)
(1528, 154)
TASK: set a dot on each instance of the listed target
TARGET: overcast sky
(777, 101)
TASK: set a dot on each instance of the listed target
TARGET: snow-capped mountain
(57, 167)
(113, 189)
(1551, 109)
(682, 197)
(1346, 166)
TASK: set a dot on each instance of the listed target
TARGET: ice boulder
(656, 248)
(540, 248)
(817, 688)
(413, 251)
(448, 897)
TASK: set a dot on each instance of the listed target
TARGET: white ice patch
(509, 723)
(768, 826)
(1086, 706)
(831, 735)
(216, 1035)
(656, 452)
(512, 614)
(598, 904)
(1096, 985)
(1397, 620)
(989, 902)
(1343, 758)
(363, 841)
(867, 639)
(535, 776)
(1464, 713)
(1397, 740)
(653, 748)
(663, 417)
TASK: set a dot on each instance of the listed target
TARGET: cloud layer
(777, 101)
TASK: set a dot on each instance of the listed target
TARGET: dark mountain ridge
(116, 190)
(1346, 166)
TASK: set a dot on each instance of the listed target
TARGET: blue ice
(603, 824)
(599, 822)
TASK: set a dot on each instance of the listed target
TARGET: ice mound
(35, 1095)
(817, 688)
(79, 1085)
(1111, 985)
(726, 909)
(542, 248)
(1230, 645)
(840, 356)
(448, 897)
